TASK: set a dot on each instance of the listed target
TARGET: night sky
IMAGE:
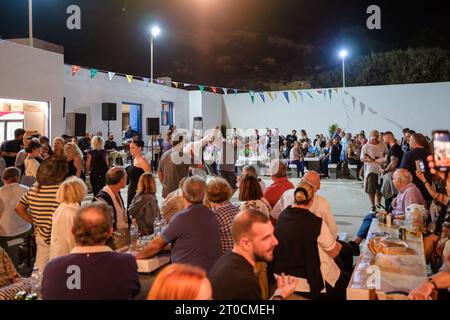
(225, 42)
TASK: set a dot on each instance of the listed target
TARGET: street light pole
(343, 72)
(151, 58)
(30, 21)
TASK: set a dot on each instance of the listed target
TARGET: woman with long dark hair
(138, 166)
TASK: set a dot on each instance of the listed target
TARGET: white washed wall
(422, 107)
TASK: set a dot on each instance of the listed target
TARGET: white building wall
(85, 95)
(422, 107)
(28, 73)
(212, 106)
(195, 108)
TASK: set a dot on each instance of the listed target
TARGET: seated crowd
(278, 240)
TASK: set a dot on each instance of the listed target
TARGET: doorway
(132, 116)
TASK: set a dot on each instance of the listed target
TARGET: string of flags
(297, 94)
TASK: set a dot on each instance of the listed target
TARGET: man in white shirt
(12, 228)
(321, 209)
(373, 154)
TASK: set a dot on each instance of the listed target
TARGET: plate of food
(387, 246)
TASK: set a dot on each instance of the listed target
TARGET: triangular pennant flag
(301, 94)
(214, 89)
(93, 72)
(372, 111)
(336, 90)
(252, 96)
(363, 108)
(175, 84)
(309, 94)
(295, 95)
(225, 91)
(146, 80)
(330, 92)
(235, 91)
(286, 95)
(129, 78)
(325, 94)
(270, 95)
(202, 88)
(353, 101)
(186, 84)
(319, 91)
(111, 75)
(75, 70)
(263, 98)
(160, 81)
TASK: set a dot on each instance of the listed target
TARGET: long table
(398, 272)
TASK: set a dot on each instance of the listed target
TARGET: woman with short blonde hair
(97, 165)
(181, 282)
(70, 194)
(74, 160)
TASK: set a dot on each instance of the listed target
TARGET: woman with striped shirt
(39, 203)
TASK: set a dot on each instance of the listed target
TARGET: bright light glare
(155, 32)
(343, 53)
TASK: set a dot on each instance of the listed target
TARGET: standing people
(97, 165)
(33, 151)
(39, 203)
(58, 147)
(296, 157)
(11, 225)
(138, 166)
(74, 161)
(290, 139)
(11, 148)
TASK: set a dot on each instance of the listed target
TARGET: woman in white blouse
(31, 165)
(70, 194)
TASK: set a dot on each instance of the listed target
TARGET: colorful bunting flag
(301, 94)
(319, 92)
(263, 98)
(214, 89)
(146, 80)
(235, 91)
(75, 70)
(158, 81)
(129, 78)
(186, 85)
(252, 96)
(111, 75)
(93, 72)
(270, 95)
(175, 84)
(295, 95)
(202, 88)
(225, 91)
(286, 95)
(330, 92)
(353, 101)
(363, 108)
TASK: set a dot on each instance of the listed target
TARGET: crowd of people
(219, 249)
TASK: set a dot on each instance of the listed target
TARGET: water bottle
(163, 223)
(36, 281)
(157, 227)
(134, 235)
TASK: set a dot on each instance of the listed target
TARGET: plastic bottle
(36, 281)
(157, 228)
(134, 235)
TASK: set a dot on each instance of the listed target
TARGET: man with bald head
(408, 194)
(193, 232)
(92, 270)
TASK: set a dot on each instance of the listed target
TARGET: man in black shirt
(85, 143)
(411, 159)
(291, 138)
(392, 162)
(233, 275)
(11, 148)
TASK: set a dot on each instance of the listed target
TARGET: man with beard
(233, 277)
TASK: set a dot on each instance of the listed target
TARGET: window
(167, 113)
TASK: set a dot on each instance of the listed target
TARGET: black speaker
(198, 123)
(109, 111)
(152, 126)
(80, 124)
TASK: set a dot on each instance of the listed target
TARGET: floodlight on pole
(343, 54)
(155, 33)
